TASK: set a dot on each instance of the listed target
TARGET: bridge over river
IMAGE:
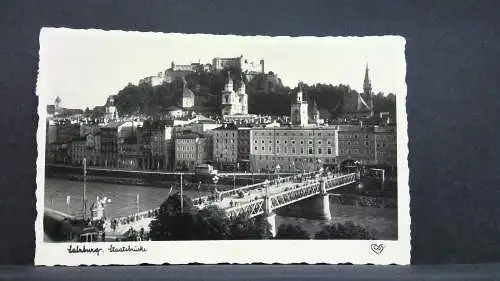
(257, 199)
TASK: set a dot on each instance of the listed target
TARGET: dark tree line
(208, 86)
(211, 223)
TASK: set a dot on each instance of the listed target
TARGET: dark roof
(130, 140)
(226, 127)
(78, 138)
(351, 104)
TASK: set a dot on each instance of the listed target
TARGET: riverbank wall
(151, 178)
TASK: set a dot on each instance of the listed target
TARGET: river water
(124, 202)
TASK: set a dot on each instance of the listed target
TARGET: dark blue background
(453, 100)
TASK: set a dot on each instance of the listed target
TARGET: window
(319, 150)
(262, 141)
(293, 150)
(310, 142)
(301, 142)
(286, 150)
(329, 142)
(301, 150)
(366, 143)
(293, 141)
(270, 149)
(310, 150)
(263, 148)
(270, 141)
(319, 142)
(277, 149)
(286, 142)
(254, 141)
(277, 142)
(355, 136)
(329, 150)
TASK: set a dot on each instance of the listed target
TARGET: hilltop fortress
(178, 71)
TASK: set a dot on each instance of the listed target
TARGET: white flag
(137, 198)
(68, 199)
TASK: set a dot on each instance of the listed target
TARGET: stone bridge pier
(270, 215)
(325, 200)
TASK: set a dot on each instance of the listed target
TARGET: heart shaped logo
(377, 248)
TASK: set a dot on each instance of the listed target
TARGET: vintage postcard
(182, 148)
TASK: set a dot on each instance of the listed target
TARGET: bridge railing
(235, 191)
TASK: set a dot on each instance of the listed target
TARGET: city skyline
(84, 67)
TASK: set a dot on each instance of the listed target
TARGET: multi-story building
(155, 146)
(299, 148)
(357, 143)
(109, 145)
(225, 146)
(110, 136)
(192, 149)
(78, 150)
(386, 146)
(128, 152)
(93, 148)
(243, 155)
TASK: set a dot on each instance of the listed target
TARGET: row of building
(159, 146)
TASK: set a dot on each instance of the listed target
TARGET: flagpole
(137, 202)
(182, 200)
(84, 186)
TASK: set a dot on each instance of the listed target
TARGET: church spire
(367, 88)
(367, 85)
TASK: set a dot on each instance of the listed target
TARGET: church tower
(228, 97)
(367, 89)
(243, 97)
(299, 110)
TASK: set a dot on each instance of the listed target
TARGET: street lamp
(215, 180)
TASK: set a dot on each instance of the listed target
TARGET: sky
(84, 67)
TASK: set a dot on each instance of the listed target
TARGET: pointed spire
(367, 86)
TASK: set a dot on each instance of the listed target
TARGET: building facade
(192, 149)
(225, 147)
(357, 143)
(243, 155)
(78, 150)
(293, 149)
(386, 146)
(93, 149)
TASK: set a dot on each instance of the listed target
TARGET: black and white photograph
(179, 148)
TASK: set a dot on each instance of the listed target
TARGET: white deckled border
(241, 252)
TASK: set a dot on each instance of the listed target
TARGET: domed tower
(229, 97)
(315, 113)
(111, 112)
(243, 96)
(57, 105)
(298, 110)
